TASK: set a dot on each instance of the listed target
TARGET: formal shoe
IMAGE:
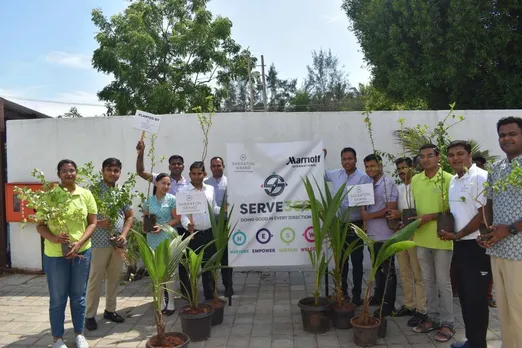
(229, 292)
(492, 303)
(91, 324)
(81, 342)
(386, 312)
(460, 345)
(169, 312)
(404, 312)
(113, 316)
(356, 300)
(416, 319)
(59, 344)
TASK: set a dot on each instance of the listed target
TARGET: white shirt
(404, 192)
(201, 221)
(466, 196)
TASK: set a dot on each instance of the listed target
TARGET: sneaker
(59, 344)
(404, 312)
(81, 342)
(113, 316)
(417, 319)
(90, 324)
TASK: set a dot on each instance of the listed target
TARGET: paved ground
(264, 314)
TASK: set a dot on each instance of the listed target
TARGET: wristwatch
(513, 229)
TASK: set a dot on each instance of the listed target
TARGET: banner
(264, 182)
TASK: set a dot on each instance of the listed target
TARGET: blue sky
(47, 45)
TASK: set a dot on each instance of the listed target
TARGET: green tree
(442, 51)
(72, 113)
(279, 91)
(166, 56)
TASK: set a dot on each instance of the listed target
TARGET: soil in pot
(407, 214)
(383, 327)
(316, 319)
(197, 323)
(174, 340)
(342, 315)
(392, 224)
(219, 310)
(365, 335)
(446, 222)
(149, 221)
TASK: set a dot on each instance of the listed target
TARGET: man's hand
(75, 247)
(104, 223)
(365, 215)
(443, 235)
(121, 240)
(190, 228)
(394, 214)
(140, 147)
(425, 218)
(482, 242)
(61, 238)
(498, 233)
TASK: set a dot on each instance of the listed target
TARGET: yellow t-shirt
(428, 200)
(82, 200)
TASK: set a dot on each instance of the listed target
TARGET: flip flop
(444, 336)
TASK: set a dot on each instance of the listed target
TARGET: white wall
(41, 143)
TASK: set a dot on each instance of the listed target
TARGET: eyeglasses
(430, 156)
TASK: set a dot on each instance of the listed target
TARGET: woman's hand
(75, 247)
(61, 238)
(157, 229)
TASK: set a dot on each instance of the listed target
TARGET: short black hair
(198, 165)
(479, 158)
(406, 160)
(373, 157)
(349, 149)
(64, 162)
(460, 143)
(508, 120)
(415, 158)
(176, 157)
(430, 146)
(111, 162)
(217, 158)
(158, 178)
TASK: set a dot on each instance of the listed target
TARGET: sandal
(425, 326)
(444, 335)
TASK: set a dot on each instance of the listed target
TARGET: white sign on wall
(147, 122)
(359, 195)
(193, 202)
(264, 182)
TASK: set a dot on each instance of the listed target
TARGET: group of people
(77, 275)
(473, 196)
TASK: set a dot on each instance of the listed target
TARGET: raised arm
(140, 166)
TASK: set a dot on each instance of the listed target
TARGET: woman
(67, 274)
(163, 205)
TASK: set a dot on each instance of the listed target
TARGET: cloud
(71, 60)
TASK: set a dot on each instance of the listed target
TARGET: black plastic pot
(365, 336)
(316, 319)
(483, 229)
(446, 222)
(383, 327)
(198, 325)
(170, 337)
(393, 224)
(407, 214)
(219, 310)
(66, 247)
(341, 316)
(149, 221)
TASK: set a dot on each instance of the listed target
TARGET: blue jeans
(67, 279)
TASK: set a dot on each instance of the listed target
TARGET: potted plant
(366, 327)
(134, 271)
(222, 231)
(315, 310)
(149, 220)
(409, 212)
(196, 317)
(162, 264)
(51, 204)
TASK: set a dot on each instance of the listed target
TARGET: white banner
(264, 182)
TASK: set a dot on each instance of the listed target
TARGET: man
(430, 192)
(504, 243)
(409, 268)
(480, 161)
(106, 261)
(176, 166)
(350, 175)
(471, 264)
(386, 194)
(202, 224)
(219, 182)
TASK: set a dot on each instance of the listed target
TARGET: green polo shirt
(82, 200)
(427, 196)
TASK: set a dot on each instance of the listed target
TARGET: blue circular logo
(239, 238)
(263, 236)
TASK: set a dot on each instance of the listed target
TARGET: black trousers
(473, 276)
(200, 239)
(357, 258)
(386, 271)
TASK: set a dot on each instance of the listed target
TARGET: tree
(442, 51)
(279, 91)
(167, 56)
(72, 113)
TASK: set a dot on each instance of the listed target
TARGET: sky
(46, 56)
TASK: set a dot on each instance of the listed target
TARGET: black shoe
(229, 292)
(404, 312)
(113, 316)
(169, 312)
(386, 312)
(356, 300)
(417, 319)
(90, 324)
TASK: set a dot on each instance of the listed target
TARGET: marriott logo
(304, 161)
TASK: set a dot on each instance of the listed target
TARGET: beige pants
(507, 277)
(411, 278)
(105, 263)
